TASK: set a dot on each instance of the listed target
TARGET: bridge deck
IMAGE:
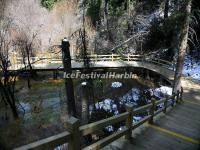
(167, 73)
(179, 129)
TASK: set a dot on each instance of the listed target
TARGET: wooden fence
(75, 132)
(17, 62)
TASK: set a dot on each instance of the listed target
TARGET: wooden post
(112, 57)
(160, 80)
(147, 75)
(69, 87)
(128, 57)
(181, 94)
(173, 99)
(73, 125)
(96, 57)
(165, 105)
(143, 58)
(85, 103)
(153, 101)
(129, 121)
(177, 97)
(15, 61)
(55, 74)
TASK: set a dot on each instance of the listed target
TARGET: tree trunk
(10, 99)
(106, 13)
(182, 45)
(14, 111)
(166, 11)
(29, 82)
(30, 71)
(106, 22)
(128, 7)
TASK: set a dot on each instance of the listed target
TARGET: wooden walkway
(179, 129)
(163, 67)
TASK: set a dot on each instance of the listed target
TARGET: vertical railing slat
(129, 121)
(73, 125)
(153, 101)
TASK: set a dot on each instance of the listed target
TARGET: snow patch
(191, 67)
(136, 119)
(84, 83)
(116, 85)
(132, 96)
(162, 91)
(24, 106)
(108, 105)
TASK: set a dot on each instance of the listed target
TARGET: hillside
(50, 25)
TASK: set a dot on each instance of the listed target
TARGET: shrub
(48, 3)
(94, 11)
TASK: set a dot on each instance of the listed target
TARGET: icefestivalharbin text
(94, 75)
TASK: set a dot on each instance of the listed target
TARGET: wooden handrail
(95, 57)
(73, 136)
(142, 108)
(48, 143)
(160, 101)
(90, 128)
(142, 121)
(105, 141)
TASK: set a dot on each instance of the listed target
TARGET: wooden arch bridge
(51, 62)
(178, 129)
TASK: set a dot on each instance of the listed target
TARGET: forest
(87, 74)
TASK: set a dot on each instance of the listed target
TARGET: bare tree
(7, 78)
(25, 46)
(88, 89)
(106, 14)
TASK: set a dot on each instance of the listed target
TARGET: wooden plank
(145, 119)
(170, 97)
(152, 110)
(165, 61)
(73, 125)
(135, 55)
(132, 59)
(105, 141)
(48, 143)
(132, 55)
(129, 121)
(153, 61)
(158, 111)
(90, 128)
(160, 101)
(142, 108)
(169, 103)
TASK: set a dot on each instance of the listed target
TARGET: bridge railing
(111, 57)
(129, 58)
(161, 62)
(49, 59)
(76, 132)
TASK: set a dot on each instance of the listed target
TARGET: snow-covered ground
(133, 96)
(192, 67)
(162, 91)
